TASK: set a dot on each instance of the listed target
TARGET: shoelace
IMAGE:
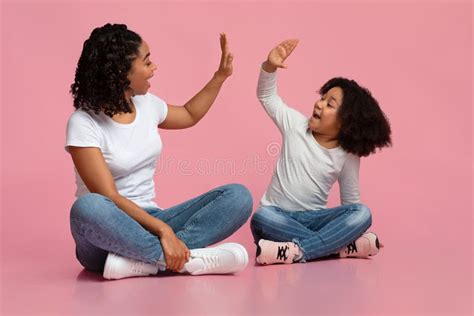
(282, 252)
(210, 261)
(351, 248)
(137, 267)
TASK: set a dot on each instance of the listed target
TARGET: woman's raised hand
(278, 54)
(225, 67)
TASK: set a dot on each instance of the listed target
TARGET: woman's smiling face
(142, 70)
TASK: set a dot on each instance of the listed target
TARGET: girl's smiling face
(324, 121)
(142, 70)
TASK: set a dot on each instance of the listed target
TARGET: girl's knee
(257, 222)
(266, 222)
(261, 216)
(257, 217)
(365, 214)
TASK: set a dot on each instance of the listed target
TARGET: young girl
(292, 223)
(114, 142)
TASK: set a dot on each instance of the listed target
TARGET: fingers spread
(290, 45)
(294, 43)
(285, 42)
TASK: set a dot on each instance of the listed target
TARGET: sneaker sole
(243, 254)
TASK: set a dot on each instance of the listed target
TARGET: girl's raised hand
(277, 55)
(225, 66)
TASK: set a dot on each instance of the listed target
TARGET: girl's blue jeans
(318, 233)
(98, 226)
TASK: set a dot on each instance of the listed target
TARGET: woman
(114, 143)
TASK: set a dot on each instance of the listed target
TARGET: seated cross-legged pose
(114, 142)
(292, 223)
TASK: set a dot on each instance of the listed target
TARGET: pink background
(415, 57)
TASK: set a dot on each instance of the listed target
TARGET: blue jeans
(318, 233)
(98, 226)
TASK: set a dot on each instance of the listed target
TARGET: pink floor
(425, 283)
(416, 56)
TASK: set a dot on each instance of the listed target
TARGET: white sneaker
(223, 259)
(118, 267)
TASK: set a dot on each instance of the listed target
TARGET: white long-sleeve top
(305, 170)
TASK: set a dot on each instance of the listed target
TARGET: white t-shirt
(305, 170)
(130, 150)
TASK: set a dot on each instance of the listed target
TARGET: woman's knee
(87, 206)
(241, 197)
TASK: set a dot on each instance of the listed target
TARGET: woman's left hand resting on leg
(175, 251)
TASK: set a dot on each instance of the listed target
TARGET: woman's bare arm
(193, 111)
(93, 170)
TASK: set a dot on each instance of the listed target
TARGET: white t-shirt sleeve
(284, 116)
(81, 131)
(160, 108)
(349, 180)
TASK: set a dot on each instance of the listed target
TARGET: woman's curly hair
(364, 127)
(101, 74)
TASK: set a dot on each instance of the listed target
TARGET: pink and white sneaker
(365, 246)
(270, 252)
